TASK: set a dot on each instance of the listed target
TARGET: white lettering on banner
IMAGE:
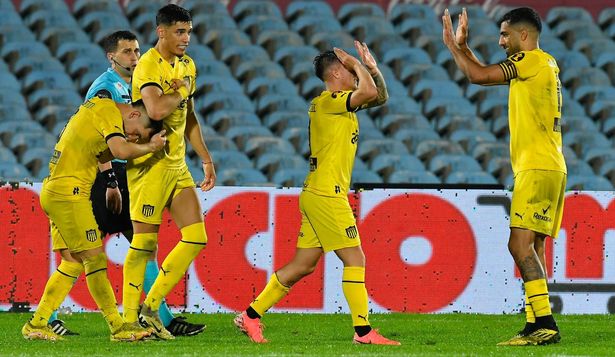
(427, 251)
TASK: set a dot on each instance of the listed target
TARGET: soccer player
(97, 132)
(327, 221)
(165, 80)
(110, 199)
(534, 112)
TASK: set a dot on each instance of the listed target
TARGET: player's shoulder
(189, 62)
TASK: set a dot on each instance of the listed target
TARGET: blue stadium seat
(469, 138)
(6, 156)
(578, 167)
(486, 150)
(398, 58)
(312, 87)
(444, 164)
(254, 25)
(368, 28)
(269, 103)
(581, 142)
(578, 123)
(391, 123)
(49, 115)
(308, 25)
(12, 51)
(95, 21)
(10, 18)
(207, 22)
(8, 81)
(82, 7)
(46, 79)
(273, 40)
(413, 73)
(203, 7)
(53, 37)
(215, 83)
(608, 127)
(136, 8)
(20, 142)
(223, 120)
(413, 137)
(558, 14)
(299, 138)
(478, 177)
(588, 183)
(412, 28)
(42, 19)
(298, 9)
(230, 159)
(403, 11)
(242, 177)
(271, 162)
(241, 134)
(348, 11)
(438, 107)
(596, 156)
(386, 164)
(326, 40)
(247, 71)
(219, 39)
(35, 159)
(499, 167)
(212, 67)
(220, 143)
(67, 52)
(427, 88)
(257, 146)
(13, 172)
(255, 7)
(289, 177)
(288, 56)
(414, 177)
(367, 127)
(593, 47)
(368, 149)
(280, 120)
(427, 149)
(93, 65)
(364, 176)
(260, 86)
(15, 125)
(220, 100)
(396, 105)
(43, 97)
(12, 99)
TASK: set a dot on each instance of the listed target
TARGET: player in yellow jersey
(535, 104)
(165, 80)
(328, 223)
(100, 130)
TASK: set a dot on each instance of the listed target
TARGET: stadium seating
(255, 81)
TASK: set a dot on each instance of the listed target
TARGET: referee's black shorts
(109, 222)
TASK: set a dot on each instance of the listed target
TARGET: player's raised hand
(447, 30)
(158, 141)
(347, 60)
(210, 176)
(366, 57)
(461, 35)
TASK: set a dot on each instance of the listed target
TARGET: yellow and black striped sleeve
(509, 69)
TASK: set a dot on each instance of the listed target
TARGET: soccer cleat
(31, 332)
(59, 328)
(527, 337)
(130, 332)
(374, 338)
(251, 327)
(149, 320)
(180, 327)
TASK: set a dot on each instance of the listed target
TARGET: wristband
(183, 91)
(110, 178)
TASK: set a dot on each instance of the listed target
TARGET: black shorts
(109, 222)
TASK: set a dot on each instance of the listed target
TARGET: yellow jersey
(153, 70)
(534, 111)
(74, 164)
(334, 134)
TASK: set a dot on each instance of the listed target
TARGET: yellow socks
(538, 296)
(176, 263)
(58, 286)
(141, 248)
(529, 312)
(273, 292)
(101, 291)
(353, 285)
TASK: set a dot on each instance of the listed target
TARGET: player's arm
(366, 90)
(476, 72)
(122, 149)
(112, 194)
(195, 137)
(372, 67)
(158, 104)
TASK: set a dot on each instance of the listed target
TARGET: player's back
(74, 163)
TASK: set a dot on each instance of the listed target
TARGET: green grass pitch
(325, 335)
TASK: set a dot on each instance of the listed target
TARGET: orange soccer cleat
(374, 338)
(251, 327)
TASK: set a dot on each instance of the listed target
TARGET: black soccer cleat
(58, 327)
(180, 327)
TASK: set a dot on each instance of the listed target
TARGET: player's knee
(70, 268)
(95, 263)
(144, 242)
(194, 233)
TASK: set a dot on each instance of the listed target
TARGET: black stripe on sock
(95, 271)
(187, 242)
(141, 250)
(63, 273)
(533, 296)
(353, 281)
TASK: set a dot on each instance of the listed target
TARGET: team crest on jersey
(147, 210)
(90, 235)
(351, 232)
(517, 57)
(336, 93)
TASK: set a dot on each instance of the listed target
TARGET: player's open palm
(461, 35)
(347, 60)
(366, 57)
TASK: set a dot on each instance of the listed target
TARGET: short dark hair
(522, 15)
(322, 63)
(110, 42)
(155, 125)
(170, 14)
